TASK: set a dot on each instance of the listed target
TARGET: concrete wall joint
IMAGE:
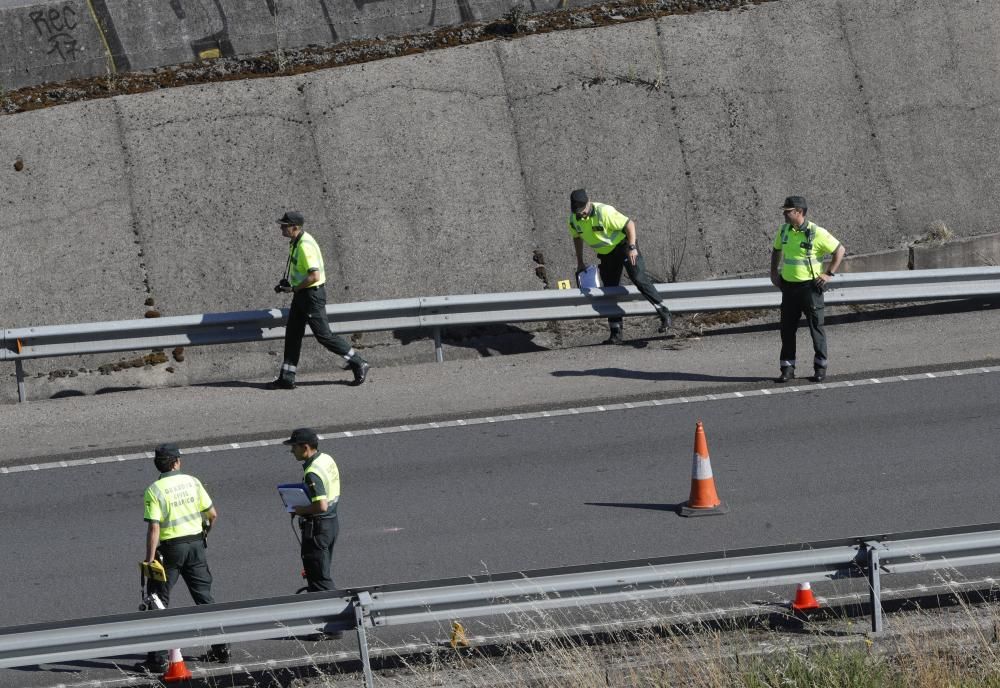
(862, 95)
(676, 259)
(129, 175)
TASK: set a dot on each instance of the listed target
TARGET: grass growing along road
(954, 647)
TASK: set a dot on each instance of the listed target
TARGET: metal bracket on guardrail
(875, 584)
(362, 618)
(438, 349)
(22, 391)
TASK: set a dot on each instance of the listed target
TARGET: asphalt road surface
(573, 489)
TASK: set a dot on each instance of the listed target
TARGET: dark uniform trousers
(309, 306)
(183, 557)
(798, 298)
(610, 267)
(318, 537)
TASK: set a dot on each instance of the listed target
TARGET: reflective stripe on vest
(791, 243)
(180, 500)
(324, 467)
(298, 269)
(594, 232)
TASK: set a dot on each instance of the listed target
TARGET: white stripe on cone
(702, 468)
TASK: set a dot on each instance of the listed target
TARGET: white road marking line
(624, 406)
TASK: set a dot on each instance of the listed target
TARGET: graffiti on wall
(54, 25)
(63, 28)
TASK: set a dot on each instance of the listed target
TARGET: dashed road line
(464, 422)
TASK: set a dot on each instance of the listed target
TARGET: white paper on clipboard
(293, 495)
(589, 278)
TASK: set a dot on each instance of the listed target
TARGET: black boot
(787, 373)
(217, 653)
(666, 322)
(615, 337)
(154, 664)
(819, 374)
(361, 368)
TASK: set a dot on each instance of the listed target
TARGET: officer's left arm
(314, 509)
(838, 256)
(828, 244)
(210, 515)
(317, 495)
(311, 278)
(152, 539)
(633, 253)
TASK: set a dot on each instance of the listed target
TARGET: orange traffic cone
(804, 598)
(704, 500)
(176, 670)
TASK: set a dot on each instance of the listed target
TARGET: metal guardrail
(504, 595)
(438, 312)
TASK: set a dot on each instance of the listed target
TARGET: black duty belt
(181, 539)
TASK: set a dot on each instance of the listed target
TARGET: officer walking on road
(178, 514)
(796, 269)
(318, 521)
(305, 277)
(613, 238)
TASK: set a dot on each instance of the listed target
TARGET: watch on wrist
(631, 247)
(831, 273)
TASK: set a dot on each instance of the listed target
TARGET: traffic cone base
(804, 598)
(176, 669)
(688, 510)
(704, 500)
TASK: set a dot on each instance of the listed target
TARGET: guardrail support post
(361, 616)
(438, 351)
(875, 588)
(22, 392)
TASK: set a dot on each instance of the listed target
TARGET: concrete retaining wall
(53, 41)
(983, 250)
(448, 172)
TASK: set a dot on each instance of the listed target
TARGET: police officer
(612, 236)
(318, 521)
(305, 277)
(178, 514)
(796, 269)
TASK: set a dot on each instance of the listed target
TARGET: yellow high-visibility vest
(176, 501)
(602, 231)
(304, 255)
(802, 249)
(325, 468)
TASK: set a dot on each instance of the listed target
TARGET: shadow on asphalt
(122, 663)
(675, 508)
(663, 377)
(266, 385)
(487, 340)
(867, 313)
